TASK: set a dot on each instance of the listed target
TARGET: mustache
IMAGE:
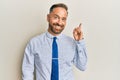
(56, 24)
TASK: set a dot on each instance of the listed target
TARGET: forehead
(59, 11)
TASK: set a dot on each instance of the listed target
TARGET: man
(51, 54)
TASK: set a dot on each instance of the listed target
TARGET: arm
(80, 58)
(28, 63)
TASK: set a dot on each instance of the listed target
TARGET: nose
(60, 22)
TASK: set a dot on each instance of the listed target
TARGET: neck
(52, 33)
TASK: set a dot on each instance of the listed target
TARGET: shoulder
(37, 39)
(35, 42)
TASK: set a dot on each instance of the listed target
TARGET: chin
(57, 32)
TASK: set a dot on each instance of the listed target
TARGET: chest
(66, 52)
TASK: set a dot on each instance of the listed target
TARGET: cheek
(64, 23)
(52, 21)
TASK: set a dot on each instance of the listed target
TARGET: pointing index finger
(80, 26)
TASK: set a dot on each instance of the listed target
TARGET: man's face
(57, 20)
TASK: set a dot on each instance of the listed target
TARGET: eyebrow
(59, 16)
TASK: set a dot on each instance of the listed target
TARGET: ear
(48, 17)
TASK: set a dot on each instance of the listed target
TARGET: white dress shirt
(38, 57)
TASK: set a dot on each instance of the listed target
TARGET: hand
(77, 33)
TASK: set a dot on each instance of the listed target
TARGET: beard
(56, 28)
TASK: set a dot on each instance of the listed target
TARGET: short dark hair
(58, 5)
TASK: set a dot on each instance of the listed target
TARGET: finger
(80, 26)
(78, 30)
(75, 31)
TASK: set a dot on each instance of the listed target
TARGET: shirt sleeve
(28, 63)
(80, 58)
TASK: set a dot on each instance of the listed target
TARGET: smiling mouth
(57, 27)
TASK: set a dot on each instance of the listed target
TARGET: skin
(57, 22)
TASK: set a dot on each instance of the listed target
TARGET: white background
(20, 20)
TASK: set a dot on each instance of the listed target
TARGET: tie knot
(54, 38)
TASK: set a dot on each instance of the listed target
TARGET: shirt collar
(51, 36)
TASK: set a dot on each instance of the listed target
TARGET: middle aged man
(52, 53)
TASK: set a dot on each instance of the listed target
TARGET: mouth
(58, 27)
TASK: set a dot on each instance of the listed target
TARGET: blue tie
(55, 67)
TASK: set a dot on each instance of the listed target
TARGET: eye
(55, 17)
(63, 19)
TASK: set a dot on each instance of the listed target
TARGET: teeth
(58, 27)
